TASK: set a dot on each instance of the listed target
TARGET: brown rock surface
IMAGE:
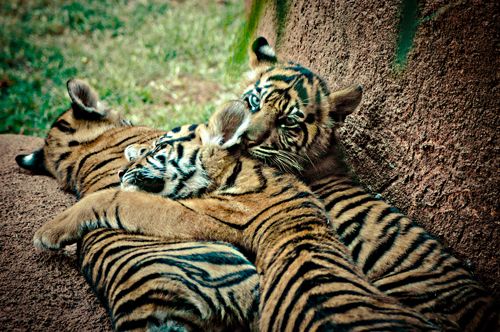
(426, 137)
(39, 291)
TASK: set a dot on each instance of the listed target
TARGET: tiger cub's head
(188, 166)
(293, 111)
(86, 120)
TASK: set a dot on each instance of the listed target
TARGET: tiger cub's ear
(227, 126)
(345, 101)
(33, 161)
(84, 101)
(261, 54)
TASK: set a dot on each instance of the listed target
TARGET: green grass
(161, 63)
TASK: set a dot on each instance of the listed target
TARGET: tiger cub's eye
(289, 122)
(253, 102)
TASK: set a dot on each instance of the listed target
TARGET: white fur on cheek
(130, 153)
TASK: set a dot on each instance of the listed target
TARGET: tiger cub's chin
(129, 187)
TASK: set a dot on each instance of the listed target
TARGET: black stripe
(314, 301)
(285, 218)
(305, 134)
(192, 159)
(64, 126)
(294, 224)
(419, 263)
(136, 268)
(179, 304)
(420, 240)
(181, 184)
(333, 182)
(302, 194)
(117, 217)
(85, 158)
(341, 198)
(69, 174)
(356, 250)
(111, 185)
(62, 157)
(283, 190)
(102, 164)
(234, 175)
(106, 175)
(308, 247)
(180, 151)
(396, 321)
(111, 280)
(358, 219)
(282, 78)
(472, 313)
(235, 305)
(131, 251)
(289, 283)
(380, 250)
(301, 92)
(101, 221)
(420, 278)
(353, 205)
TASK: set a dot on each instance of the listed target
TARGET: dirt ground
(39, 291)
(426, 134)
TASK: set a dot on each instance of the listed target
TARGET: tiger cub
(145, 282)
(294, 117)
(213, 192)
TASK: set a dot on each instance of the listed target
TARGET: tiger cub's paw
(57, 233)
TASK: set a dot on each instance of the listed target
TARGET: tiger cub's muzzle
(141, 179)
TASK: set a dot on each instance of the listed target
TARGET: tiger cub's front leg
(133, 211)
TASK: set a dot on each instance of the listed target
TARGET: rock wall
(426, 134)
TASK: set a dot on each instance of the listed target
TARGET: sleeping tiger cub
(213, 192)
(144, 282)
(293, 123)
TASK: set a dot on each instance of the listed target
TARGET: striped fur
(403, 260)
(308, 281)
(148, 283)
(397, 255)
(144, 282)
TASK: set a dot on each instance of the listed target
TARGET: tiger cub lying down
(145, 282)
(211, 191)
(293, 124)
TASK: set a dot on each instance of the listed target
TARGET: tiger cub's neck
(331, 164)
